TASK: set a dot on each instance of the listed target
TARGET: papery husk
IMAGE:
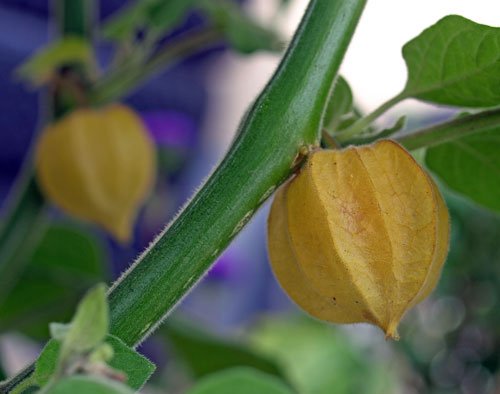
(98, 165)
(359, 235)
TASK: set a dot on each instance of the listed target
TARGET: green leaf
(339, 104)
(89, 325)
(470, 166)
(242, 381)
(68, 50)
(243, 33)
(47, 363)
(136, 367)
(205, 353)
(66, 262)
(318, 359)
(81, 384)
(455, 62)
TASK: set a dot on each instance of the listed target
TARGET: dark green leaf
(90, 323)
(204, 353)
(243, 33)
(66, 262)
(471, 166)
(339, 104)
(455, 62)
(81, 384)
(242, 381)
(69, 50)
(136, 367)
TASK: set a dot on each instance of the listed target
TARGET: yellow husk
(98, 165)
(359, 235)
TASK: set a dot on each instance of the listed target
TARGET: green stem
(442, 132)
(360, 125)
(328, 140)
(17, 383)
(123, 80)
(451, 130)
(74, 17)
(285, 117)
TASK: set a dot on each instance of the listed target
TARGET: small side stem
(442, 132)
(329, 140)
(451, 130)
(360, 125)
(125, 80)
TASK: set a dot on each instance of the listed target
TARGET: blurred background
(191, 108)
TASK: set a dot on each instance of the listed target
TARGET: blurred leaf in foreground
(240, 380)
(81, 384)
(205, 353)
(318, 359)
(66, 263)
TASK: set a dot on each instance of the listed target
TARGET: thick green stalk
(284, 118)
